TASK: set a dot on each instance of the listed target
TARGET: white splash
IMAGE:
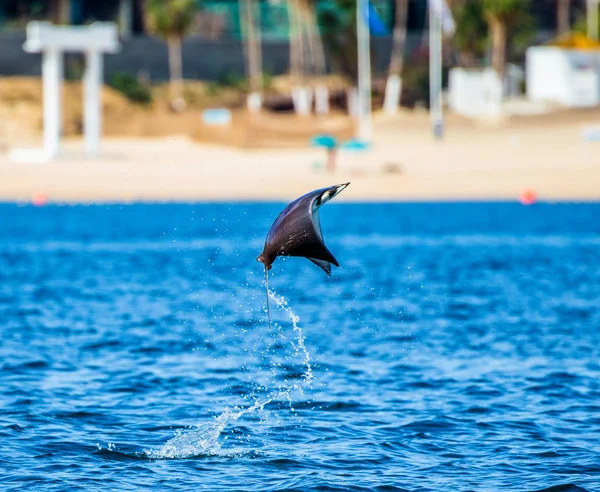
(299, 346)
(203, 440)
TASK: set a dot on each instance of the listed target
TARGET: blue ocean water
(457, 348)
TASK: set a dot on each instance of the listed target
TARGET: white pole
(435, 68)
(364, 71)
(125, 17)
(592, 19)
(52, 75)
(92, 102)
(321, 99)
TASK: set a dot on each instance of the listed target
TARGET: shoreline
(224, 199)
(474, 163)
(236, 202)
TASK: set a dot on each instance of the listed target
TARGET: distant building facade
(214, 46)
(220, 19)
(127, 14)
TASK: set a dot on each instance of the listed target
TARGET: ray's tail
(267, 292)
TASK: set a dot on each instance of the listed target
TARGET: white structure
(125, 17)
(566, 76)
(363, 40)
(475, 93)
(52, 41)
(513, 81)
(254, 102)
(440, 22)
(302, 98)
(321, 100)
(592, 19)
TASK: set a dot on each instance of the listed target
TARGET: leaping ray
(297, 232)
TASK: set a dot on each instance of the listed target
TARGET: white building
(566, 75)
(475, 92)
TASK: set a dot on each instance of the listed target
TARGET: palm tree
(171, 20)
(470, 36)
(296, 42)
(316, 57)
(339, 36)
(393, 86)
(501, 15)
(585, 22)
(307, 56)
(60, 10)
(252, 50)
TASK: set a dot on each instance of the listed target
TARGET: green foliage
(521, 31)
(131, 88)
(580, 25)
(504, 9)
(74, 66)
(519, 22)
(337, 20)
(213, 89)
(232, 80)
(472, 33)
(415, 80)
(170, 17)
(415, 85)
(470, 36)
(515, 15)
(267, 81)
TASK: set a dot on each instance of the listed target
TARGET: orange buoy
(39, 199)
(528, 197)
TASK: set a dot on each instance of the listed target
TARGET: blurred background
(411, 99)
(457, 346)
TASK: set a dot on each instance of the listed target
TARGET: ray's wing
(297, 231)
(325, 265)
(317, 221)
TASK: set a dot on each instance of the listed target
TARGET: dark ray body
(297, 231)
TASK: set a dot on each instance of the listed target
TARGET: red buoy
(39, 199)
(528, 197)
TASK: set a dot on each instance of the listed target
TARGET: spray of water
(267, 291)
(299, 346)
(203, 440)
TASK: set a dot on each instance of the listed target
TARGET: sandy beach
(475, 161)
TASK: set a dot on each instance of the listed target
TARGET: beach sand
(474, 161)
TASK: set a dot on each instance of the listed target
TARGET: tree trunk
(398, 39)
(308, 19)
(125, 17)
(310, 65)
(319, 50)
(319, 90)
(254, 54)
(295, 41)
(393, 86)
(60, 12)
(296, 55)
(175, 68)
(65, 12)
(562, 16)
(252, 49)
(498, 30)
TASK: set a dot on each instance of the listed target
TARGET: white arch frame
(53, 41)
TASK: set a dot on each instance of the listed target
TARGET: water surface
(457, 348)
